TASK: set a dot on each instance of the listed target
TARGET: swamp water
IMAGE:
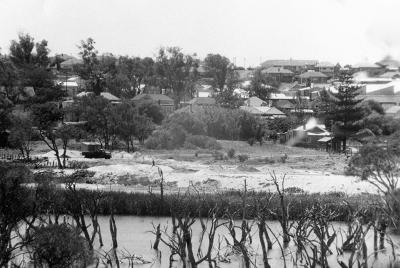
(134, 236)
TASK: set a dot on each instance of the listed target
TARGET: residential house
(71, 87)
(278, 74)
(245, 75)
(285, 106)
(263, 112)
(391, 75)
(108, 96)
(308, 135)
(295, 66)
(204, 91)
(393, 111)
(166, 103)
(326, 68)
(242, 93)
(371, 69)
(202, 101)
(312, 76)
(255, 102)
(387, 101)
(389, 64)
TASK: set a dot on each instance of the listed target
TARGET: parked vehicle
(94, 150)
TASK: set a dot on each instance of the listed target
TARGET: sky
(247, 31)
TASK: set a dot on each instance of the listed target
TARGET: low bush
(203, 142)
(284, 158)
(218, 155)
(231, 153)
(171, 138)
(269, 160)
(251, 141)
(243, 157)
(189, 146)
(77, 165)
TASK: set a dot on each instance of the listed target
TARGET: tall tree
(46, 117)
(21, 135)
(31, 61)
(135, 72)
(90, 69)
(259, 86)
(176, 71)
(347, 111)
(9, 78)
(101, 118)
(217, 67)
(227, 97)
(15, 208)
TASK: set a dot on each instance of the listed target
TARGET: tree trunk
(261, 230)
(158, 238)
(60, 165)
(344, 144)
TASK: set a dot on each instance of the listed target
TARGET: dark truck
(94, 150)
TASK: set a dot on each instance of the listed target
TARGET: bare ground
(307, 169)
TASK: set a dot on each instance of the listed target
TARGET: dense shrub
(158, 140)
(269, 160)
(189, 146)
(60, 246)
(188, 122)
(203, 142)
(218, 155)
(170, 138)
(231, 153)
(243, 157)
(144, 204)
(251, 141)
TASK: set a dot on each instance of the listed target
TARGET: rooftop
(311, 74)
(153, 97)
(289, 62)
(106, 95)
(202, 101)
(276, 70)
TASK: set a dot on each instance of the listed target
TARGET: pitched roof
(325, 64)
(313, 75)
(70, 62)
(262, 110)
(365, 65)
(289, 62)
(392, 110)
(279, 96)
(390, 74)
(69, 84)
(244, 74)
(284, 104)
(389, 63)
(160, 98)
(382, 98)
(276, 70)
(106, 95)
(202, 101)
(255, 102)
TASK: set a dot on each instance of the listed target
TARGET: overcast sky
(345, 31)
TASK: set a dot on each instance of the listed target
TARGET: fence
(37, 162)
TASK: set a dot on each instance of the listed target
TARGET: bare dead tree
(283, 214)
(113, 231)
(79, 204)
(180, 240)
(241, 243)
(262, 210)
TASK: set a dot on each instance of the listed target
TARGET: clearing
(307, 169)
